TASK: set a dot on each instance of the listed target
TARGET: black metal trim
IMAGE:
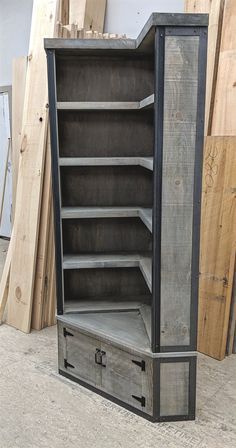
(51, 65)
(140, 364)
(202, 57)
(192, 361)
(157, 184)
(158, 154)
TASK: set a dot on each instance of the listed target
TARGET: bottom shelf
(127, 326)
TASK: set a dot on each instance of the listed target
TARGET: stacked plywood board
(28, 282)
(217, 309)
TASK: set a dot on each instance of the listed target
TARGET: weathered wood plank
(88, 14)
(180, 109)
(174, 388)
(218, 235)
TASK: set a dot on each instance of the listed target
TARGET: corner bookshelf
(126, 120)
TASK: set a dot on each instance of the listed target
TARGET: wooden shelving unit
(126, 121)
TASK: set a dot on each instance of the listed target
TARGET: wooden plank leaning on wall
(19, 69)
(218, 233)
(29, 185)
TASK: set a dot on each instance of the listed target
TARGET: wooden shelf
(106, 105)
(145, 214)
(100, 261)
(146, 162)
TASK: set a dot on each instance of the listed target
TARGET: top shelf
(90, 105)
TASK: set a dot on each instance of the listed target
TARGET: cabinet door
(125, 378)
(80, 357)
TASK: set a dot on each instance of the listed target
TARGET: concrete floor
(40, 409)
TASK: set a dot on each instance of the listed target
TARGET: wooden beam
(88, 14)
(223, 121)
(29, 185)
(39, 282)
(215, 9)
(218, 235)
(19, 68)
(63, 14)
(198, 6)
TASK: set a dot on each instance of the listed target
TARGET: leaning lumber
(218, 236)
(40, 280)
(223, 121)
(29, 185)
(19, 67)
(215, 10)
(88, 14)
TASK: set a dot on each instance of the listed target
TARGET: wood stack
(217, 302)
(28, 281)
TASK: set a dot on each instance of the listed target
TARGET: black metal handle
(98, 357)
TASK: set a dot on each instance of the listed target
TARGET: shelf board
(105, 304)
(146, 162)
(99, 261)
(106, 105)
(145, 214)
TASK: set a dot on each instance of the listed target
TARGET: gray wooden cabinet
(126, 120)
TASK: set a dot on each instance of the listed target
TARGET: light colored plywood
(218, 234)
(223, 121)
(29, 185)
(19, 68)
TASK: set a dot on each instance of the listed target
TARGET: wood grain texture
(215, 9)
(180, 109)
(88, 14)
(19, 68)
(232, 319)
(29, 185)
(39, 281)
(218, 234)
(223, 121)
(198, 6)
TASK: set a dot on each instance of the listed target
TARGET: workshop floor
(40, 409)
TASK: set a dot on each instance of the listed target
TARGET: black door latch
(141, 364)
(66, 333)
(67, 364)
(98, 357)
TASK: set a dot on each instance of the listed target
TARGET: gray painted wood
(108, 212)
(109, 284)
(106, 105)
(126, 328)
(97, 236)
(88, 306)
(146, 162)
(156, 19)
(180, 109)
(174, 388)
(146, 313)
(101, 261)
(106, 187)
(104, 78)
(106, 134)
(80, 353)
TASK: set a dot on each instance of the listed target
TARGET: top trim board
(156, 19)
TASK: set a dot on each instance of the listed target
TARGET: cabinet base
(158, 388)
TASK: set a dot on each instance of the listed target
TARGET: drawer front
(116, 372)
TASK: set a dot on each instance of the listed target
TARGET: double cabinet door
(119, 373)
